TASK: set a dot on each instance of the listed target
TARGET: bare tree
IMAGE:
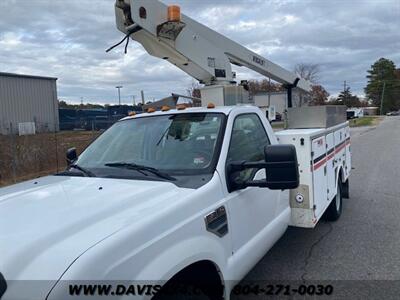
(319, 96)
(256, 86)
(308, 72)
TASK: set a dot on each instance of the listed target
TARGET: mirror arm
(70, 162)
(257, 183)
(242, 165)
(255, 165)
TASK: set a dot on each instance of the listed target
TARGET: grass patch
(365, 121)
(277, 125)
(32, 156)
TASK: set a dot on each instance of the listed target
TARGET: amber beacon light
(174, 13)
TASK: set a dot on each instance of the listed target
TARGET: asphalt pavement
(359, 255)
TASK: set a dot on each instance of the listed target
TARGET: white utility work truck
(193, 195)
(178, 203)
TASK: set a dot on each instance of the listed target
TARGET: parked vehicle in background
(350, 115)
(355, 112)
(393, 113)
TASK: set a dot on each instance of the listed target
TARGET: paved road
(360, 252)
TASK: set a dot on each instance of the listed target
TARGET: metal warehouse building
(28, 103)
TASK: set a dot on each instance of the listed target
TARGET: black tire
(334, 209)
(345, 189)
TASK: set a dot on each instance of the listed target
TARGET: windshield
(178, 144)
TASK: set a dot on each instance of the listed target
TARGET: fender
(179, 256)
(158, 268)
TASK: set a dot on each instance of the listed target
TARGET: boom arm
(194, 48)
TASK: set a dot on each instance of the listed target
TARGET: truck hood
(46, 224)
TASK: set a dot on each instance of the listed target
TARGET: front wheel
(334, 209)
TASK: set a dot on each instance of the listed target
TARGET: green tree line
(382, 90)
(383, 87)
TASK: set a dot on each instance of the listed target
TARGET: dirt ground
(28, 157)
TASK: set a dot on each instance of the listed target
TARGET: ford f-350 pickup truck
(193, 195)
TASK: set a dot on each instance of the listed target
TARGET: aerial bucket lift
(198, 50)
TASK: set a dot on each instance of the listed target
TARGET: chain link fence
(24, 157)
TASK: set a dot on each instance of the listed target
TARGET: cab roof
(218, 109)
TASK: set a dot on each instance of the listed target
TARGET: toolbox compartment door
(340, 148)
(319, 171)
(330, 165)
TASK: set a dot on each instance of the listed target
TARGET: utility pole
(133, 100)
(119, 87)
(269, 92)
(142, 94)
(382, 96)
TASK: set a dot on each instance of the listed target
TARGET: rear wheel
(334, 209)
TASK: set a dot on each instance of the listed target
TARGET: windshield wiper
(136, 167)
(83, 170)
(166, 130)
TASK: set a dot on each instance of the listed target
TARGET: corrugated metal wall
(28, 99)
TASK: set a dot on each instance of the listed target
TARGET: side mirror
(282, 171)
(71, 155)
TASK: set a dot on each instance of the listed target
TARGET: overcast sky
(67, 39)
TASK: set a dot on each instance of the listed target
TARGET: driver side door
(253, 208)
